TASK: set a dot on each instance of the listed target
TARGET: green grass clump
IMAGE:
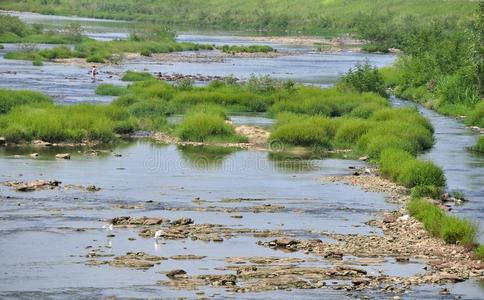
(37, 63)
(246, 49)
(350, 131)
(204, 127)
(452, 229)
(136, 76)
(479, 146)
(476, 116)
(401, 166)
(429, 191)
(415, 172)
(313, 131)
(480, 252)
(110, 90)
(2, 47)
(75, 123)
(10, 99)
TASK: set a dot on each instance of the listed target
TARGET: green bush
(110, 90)
(392, 160)
(203, 127)
(136, 76)
(452, 229)
(365, 78)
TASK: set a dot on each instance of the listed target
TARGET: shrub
(110, 90)
(136, 76)
(365, 78)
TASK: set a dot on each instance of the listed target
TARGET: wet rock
(236, 216)
(3, 141)
(178, 273)
(267, 208)
(34, 155)
(183, 221)
(92, 188)
(360, 281)
(402, 259)
(136, 260)
(187, 257)
(35, 185)
(363, 158)
(63, 156)
(143, 221)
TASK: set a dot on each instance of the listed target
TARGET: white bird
(109, 227)
(158, 234)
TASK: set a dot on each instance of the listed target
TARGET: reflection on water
(205, 157)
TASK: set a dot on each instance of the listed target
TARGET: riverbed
(47, 235)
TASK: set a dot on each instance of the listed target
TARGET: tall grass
(479, 146)
(205, 127)
(452, 229)
(10, 99)
(75, 123)
(312, 131)
(136, 76)
(110, 90)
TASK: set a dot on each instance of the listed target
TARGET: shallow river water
(45, 235)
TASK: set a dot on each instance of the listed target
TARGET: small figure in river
(93, 73)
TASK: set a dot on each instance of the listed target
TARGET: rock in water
(63, 156)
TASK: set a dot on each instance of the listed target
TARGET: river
(45, 235)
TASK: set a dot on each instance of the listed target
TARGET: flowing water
(45, 235)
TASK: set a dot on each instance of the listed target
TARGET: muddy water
(45, 235)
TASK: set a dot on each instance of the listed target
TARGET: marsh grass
(205, 127)
(10, 99)
(136, 76)
(110, 90)
(479, 146)
(246, 49)
(450, 228)
(75, 123)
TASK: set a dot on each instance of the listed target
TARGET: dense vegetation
(442, 66)
(307, 16)
(479, 146)
(450, 228)
(13, 30)
(246, 49)
(145, 40)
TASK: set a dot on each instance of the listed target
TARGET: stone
(363, 158)
(92, 188)
(63, 156)
(178, 273)
(3, 141)
(34, 155)
(183, 221)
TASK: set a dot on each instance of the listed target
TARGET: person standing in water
(93, 73)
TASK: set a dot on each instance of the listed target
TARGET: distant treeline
(283, 16)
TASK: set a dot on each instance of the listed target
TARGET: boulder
(63, 156)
